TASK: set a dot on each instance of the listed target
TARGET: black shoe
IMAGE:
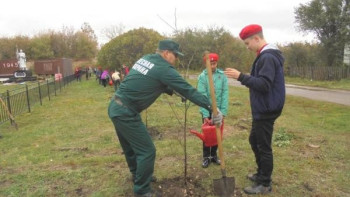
(258, 189)
(252, 177)
(216, 160)
(154, 179)
(206, 162)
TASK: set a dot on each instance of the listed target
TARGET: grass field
(68, 147)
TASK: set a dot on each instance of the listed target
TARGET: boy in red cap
(267, 95)
(221, 94)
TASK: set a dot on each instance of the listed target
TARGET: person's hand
(218, 118)
(231, 72)
(206, 121)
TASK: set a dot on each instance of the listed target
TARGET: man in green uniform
(149, 77)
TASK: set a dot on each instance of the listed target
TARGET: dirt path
(322, 94)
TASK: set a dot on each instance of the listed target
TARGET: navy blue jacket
(266, 84)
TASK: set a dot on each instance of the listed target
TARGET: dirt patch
(178, 187)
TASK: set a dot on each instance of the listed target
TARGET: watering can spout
(199, 135)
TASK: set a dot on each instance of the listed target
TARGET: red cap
(250, 30)
(212, 57)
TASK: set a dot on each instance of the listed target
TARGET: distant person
(87, 73)
(150, 76)
(77, 74)
(116, 79)
(90, 71)
(267, 95)
(98, 75)
(125, 70)
(105, 78)
(221, 94)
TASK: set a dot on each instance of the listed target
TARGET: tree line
(328, 19)
(67, 42)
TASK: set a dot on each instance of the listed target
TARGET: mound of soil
(178, 187)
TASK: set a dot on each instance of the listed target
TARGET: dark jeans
(104, 82)
(209, 151)
(260, 141)
(116, 84)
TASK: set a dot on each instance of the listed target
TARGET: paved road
(335, 96)
(322, 94)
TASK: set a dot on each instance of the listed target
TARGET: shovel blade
(224, 187)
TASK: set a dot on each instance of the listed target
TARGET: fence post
(54, 85)
(28, 103)
(9, 105)
(41, 103)
(59, 82)
(48, 89)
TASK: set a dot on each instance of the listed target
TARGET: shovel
(224, 186)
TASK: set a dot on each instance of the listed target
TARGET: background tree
(8, 46)
(113, 31)
(329, 20)
(128, 48)
(41, 47)
(62, 42)
(194, 42)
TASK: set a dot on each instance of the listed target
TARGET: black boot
(258, 189)
(206, 162)
(252, 177)
(216, 160)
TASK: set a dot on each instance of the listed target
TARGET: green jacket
(149, 77)
(221, 90)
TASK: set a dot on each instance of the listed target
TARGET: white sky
(29, 17)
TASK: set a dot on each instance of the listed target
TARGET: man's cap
(250, 30)
(170, 45)
(213, 57)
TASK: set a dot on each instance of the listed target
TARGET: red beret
(250, 30)
(212, 57)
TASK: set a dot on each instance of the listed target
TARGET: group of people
(104, 77)
(78, 72)
(155, 74)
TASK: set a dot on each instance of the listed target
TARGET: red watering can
(208, 135)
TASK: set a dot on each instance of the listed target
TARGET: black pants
(209, 151)
(260, 141)
(104, 82)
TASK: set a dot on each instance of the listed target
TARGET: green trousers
(137, 146)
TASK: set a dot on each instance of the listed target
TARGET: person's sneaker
(257, 189)
(206, 162)
(252, 177)
(154, 179)
(216, 160)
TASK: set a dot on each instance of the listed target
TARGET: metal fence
(319, 73)
(20, 100)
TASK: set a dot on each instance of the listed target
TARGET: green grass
(343, 84)
(68, 146)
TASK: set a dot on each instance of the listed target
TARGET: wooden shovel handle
(215, 111)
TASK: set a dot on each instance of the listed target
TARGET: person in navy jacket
(267, 96)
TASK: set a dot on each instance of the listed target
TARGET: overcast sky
(29, 17)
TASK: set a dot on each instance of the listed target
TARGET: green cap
(170, 45)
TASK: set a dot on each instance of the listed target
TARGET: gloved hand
(218, 118)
